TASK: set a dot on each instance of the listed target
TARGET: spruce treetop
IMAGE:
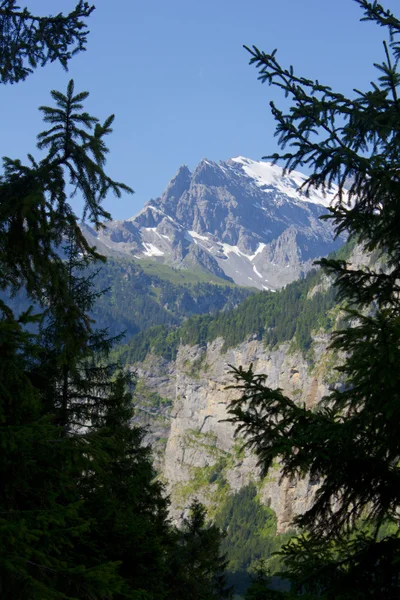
(35, 214)
(28, 41)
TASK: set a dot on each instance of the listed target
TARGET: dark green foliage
(125, 505)
(289, 314)
(45, 454)
(357, 565)
(40, 505)
(122, 541)
(35, 213)
(68, 371)
(130, 300)
(90, 496)
(260, 586)
(250, 528)
(197, 567)
(160, 339)
(29, 41)
(134, 300)
(350, 442)
(250, 535)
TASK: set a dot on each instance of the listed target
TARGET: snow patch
(259, 249)
(152, 250)
(227, 249)
(188, 237)
(194, 234)
(257, 272)
(267, 175)
(154, 230)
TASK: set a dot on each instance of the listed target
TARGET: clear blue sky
(175, 74)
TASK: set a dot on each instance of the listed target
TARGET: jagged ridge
(241, 220)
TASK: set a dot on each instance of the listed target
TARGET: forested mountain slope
(133, 297)
(290, 314)
(137, 298)
(182, 397)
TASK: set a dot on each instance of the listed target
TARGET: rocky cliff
(184, 400)
(198, 454)
(242, 220)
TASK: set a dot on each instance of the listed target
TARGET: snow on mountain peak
(239, 219)
(266, 175)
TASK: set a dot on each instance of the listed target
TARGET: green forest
(83, 515)
(290, 314)
(134, 300)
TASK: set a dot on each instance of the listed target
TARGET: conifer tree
(120, 535)
(198, 570)
(35, 212)
(65, 412)
(29, 41)
(125, 505)
(260, 586)
(74, 365)
(350, 442)
(40, 503)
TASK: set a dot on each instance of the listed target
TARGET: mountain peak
(179, 183)
(267, 175)
(182, 171)
(182, 174)
(208, 172)
(240, 219)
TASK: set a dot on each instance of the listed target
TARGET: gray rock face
(241, 220)
(200, 456)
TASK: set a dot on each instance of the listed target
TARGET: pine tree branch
(28, 41)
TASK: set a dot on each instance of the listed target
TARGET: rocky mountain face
(197, 452)
(184, 399)
(240, 220)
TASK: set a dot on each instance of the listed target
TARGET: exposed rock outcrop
(200, 455)
(239, 219)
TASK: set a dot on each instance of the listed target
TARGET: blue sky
(176, 76)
